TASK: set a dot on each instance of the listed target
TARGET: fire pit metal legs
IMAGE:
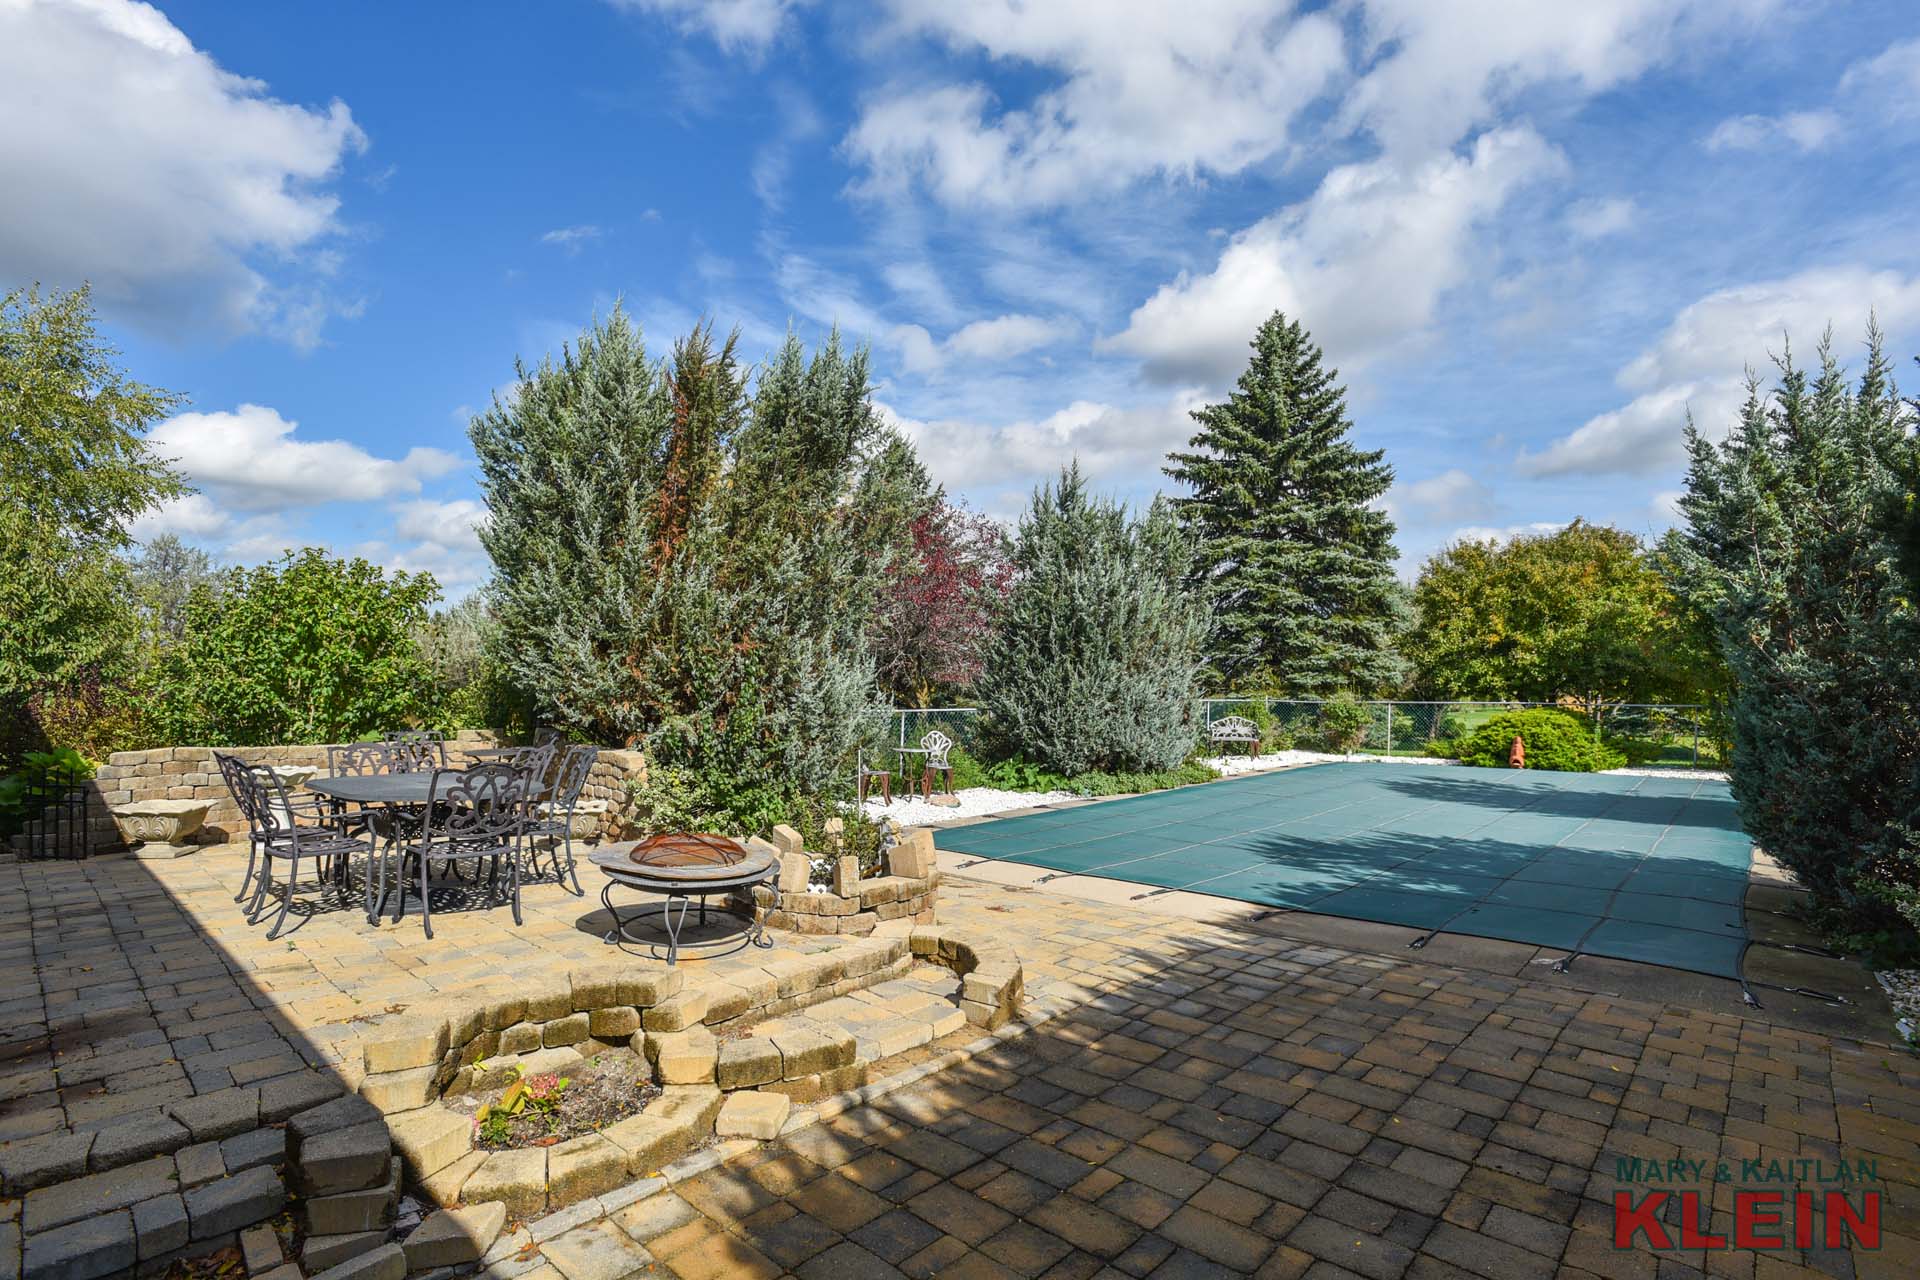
(755, 934)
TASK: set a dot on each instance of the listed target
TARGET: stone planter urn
(161, 828)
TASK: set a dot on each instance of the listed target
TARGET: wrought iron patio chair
(938, 747)
(415, 751)
(553, 817)
(472, 816)
(273, 836)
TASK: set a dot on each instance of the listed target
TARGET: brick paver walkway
(1211, 1101)
(1253, 1106)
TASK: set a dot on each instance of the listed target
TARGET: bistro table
(906, 769)
(392, 792)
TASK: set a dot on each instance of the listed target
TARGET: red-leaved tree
(940, 606)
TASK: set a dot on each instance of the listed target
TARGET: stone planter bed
(731, 1062)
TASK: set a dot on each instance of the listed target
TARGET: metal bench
(1235, 729)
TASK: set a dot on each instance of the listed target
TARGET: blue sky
(1531, 236)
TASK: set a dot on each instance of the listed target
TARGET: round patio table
(681, 867)
(392, 792)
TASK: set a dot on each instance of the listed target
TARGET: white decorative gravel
(1704, 775)
(975, 802)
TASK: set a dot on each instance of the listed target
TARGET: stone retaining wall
(851, 904)
(189, 773)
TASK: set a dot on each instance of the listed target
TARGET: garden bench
(1235, 729)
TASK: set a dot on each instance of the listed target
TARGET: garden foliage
(75, 470)
(1558, 741)
(1292, 548)
(1793, 548)
(306, 648)
(937, 611)
(1095, 663)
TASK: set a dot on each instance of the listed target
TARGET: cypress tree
(1291, 548)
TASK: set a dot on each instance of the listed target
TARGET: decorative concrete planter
(161, 828)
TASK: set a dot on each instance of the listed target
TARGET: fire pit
(682, 866)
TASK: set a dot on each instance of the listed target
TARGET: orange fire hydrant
(1517, 754)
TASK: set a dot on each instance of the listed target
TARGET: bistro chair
(939, 747)
(553, 817)
(472, 816)
(866, 775)
(273, 835)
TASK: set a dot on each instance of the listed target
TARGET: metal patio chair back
(938, 746)
(479, 814)
(555, 816)
(273, 835)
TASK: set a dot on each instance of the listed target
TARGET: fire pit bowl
(681, 866)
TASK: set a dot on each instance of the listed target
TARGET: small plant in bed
(542, 1109)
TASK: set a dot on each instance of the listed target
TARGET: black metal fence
(47, 814)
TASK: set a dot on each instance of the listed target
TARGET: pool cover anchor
(1564, 963)
(1151, 893)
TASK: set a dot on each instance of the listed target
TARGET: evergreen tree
(1095, 662)
(1291, 549)
(685, 566)
(1788, 551)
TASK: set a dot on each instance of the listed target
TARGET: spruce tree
(1292, 549)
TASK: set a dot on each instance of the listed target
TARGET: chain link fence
(1675, 735)
(1671, 734)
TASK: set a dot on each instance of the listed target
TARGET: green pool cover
(1648, 869)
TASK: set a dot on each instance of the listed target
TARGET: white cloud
(1803, 130)
(798, 120)
(740, 26)
(249, 460)
(1108, 440)
(571, 239)
(185, 193)
(1363, 262)
(441, 538)
(1888, 83)
(191, 515)
(1698, 363)
(1596, 219)
(1139, 88)
(1448, 498)
(1443, 70)
(1001, 338)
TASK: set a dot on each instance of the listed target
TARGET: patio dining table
(392, 792)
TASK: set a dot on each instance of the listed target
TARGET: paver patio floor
(1209, 1100)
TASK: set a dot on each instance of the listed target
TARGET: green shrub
(1558, 741)
(1342, 724)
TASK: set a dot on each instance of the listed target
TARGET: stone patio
(1193, 1096)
